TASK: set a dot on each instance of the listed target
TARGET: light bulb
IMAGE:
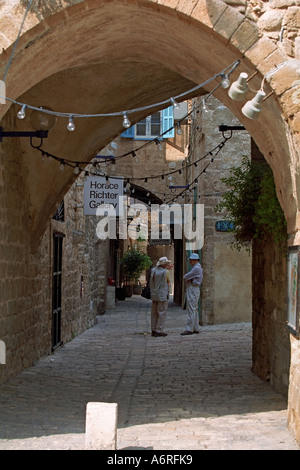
(71, 125)
(225, 81)
(126, 122)
(174, 103)
(179, 130)
(21, 114)
(76, 170)
(159, 146)
(204, 107)
(135, 157)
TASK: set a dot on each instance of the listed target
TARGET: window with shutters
(157, 125)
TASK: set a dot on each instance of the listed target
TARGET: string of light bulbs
(71, 116)
(77, 169)
(112, 159)
(218, 148)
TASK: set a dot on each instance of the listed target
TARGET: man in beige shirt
(159, 286)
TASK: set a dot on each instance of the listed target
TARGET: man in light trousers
(193, 279)
(159, 286)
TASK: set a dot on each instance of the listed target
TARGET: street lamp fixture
(40, 121)
(223, 128)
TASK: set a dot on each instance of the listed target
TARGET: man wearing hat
(159, 286)
(193, 279)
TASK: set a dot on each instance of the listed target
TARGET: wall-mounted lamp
(223, 128)
(239, 89)
(253, 107)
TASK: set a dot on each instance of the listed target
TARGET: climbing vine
(252, 205)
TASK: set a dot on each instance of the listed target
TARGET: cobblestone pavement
(178, 392)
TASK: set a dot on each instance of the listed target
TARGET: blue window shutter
(168, 122)
(129, 133)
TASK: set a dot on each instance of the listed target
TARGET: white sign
(102, 193)
(2, 353)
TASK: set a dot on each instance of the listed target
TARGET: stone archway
(96, 57)
(91, 48)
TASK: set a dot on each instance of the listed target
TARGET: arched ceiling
(102, 57)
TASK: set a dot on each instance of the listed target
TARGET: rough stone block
(101, 426)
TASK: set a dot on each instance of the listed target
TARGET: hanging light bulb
(135, 157)
(71, 125)
(174, 103)
(225, 81)
(239, 88)
(179, 130)
(76, 170)
(62, 166)
(159, 146)
(126, 122)
(21, 114)
(204, 107)
(171, 182)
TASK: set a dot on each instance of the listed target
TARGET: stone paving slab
(190, 393)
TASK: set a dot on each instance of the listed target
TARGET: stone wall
(84, 266)
(26, 276)
(294, 389)
(226, 291)
(271, 339)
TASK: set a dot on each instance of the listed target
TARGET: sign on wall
(224, 226)
(99, 192)
(293, 297)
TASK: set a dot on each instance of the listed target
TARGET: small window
(160, 124)
(149, 128)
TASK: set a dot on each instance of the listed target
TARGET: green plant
(252, 205)
(133, 263)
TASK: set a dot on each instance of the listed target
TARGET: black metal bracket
(38, 134)
(224, 129)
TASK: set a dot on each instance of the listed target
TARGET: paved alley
(178, 392)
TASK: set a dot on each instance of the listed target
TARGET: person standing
(159, 286)
(193, 281)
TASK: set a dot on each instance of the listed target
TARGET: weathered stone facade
(26, 276)
(226, 292)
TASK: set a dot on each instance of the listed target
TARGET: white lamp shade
(253, 107)
(239, 88)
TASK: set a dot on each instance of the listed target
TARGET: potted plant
(133, 263)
